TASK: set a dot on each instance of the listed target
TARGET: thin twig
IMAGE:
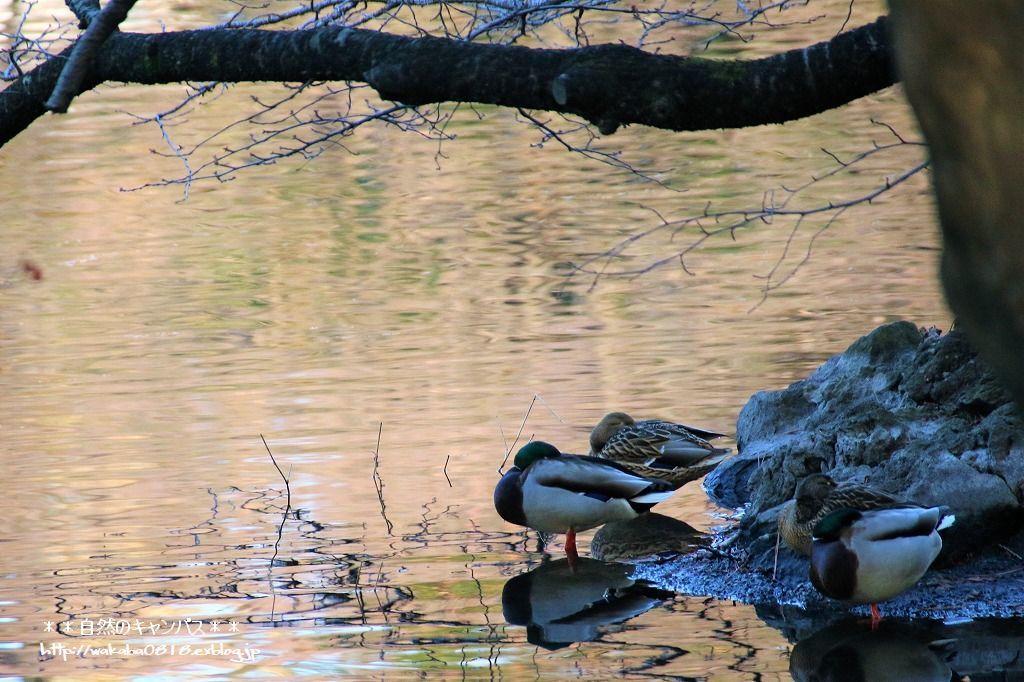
(378, 482)
(177, 151)
(518, 433)
(729, 221)
(287, 486)
(1010, 552)
(849, 13)
(610, 158)
(554, 414)
(325, 132)
(504, 441)
(775, 565)
(446, 471)
(280, 527)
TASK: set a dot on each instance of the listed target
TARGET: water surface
(386, 320)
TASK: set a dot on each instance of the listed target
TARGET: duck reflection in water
(648, 537)
(560, 606)
(850, 651)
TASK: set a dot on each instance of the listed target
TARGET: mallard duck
(869, 556)
(650, 535)
(555, 493)
(817, 496)
(653, 448)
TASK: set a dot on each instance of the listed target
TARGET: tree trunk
(964, 74)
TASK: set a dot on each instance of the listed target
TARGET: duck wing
(861, 498)
(597, 477)
(703, 434)
(898, 522)
(677, 476)
(665, 443)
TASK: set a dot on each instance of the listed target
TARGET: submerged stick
(280, 528)
(378, 482)
(287, 486)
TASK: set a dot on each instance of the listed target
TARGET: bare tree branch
(26, 50)
(728, 221)
(612, 159)
(85, 49)
(609, 85)
(85, 10)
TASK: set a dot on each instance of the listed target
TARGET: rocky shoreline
(909, 411)
(990, 586)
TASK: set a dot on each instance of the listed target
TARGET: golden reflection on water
(316, 304)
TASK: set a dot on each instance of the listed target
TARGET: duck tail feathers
(652, 497)
(947, 521)
(657, 491)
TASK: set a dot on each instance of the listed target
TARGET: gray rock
(989, 586)
(909, 411)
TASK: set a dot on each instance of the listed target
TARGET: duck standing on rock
(654, 448)
(869, 556)
(816, 497)
(555, 493)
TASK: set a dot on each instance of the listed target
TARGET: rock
(909, 411)
(989, 586)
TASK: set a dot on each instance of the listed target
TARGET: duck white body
(555, 493)
(571, 492)
(866, 557)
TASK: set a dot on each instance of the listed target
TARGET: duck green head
(534, 450)
(829, 528)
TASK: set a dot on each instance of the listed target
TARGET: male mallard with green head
(653, 448)
(555, 493)
(869, 556)
(817, 496)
